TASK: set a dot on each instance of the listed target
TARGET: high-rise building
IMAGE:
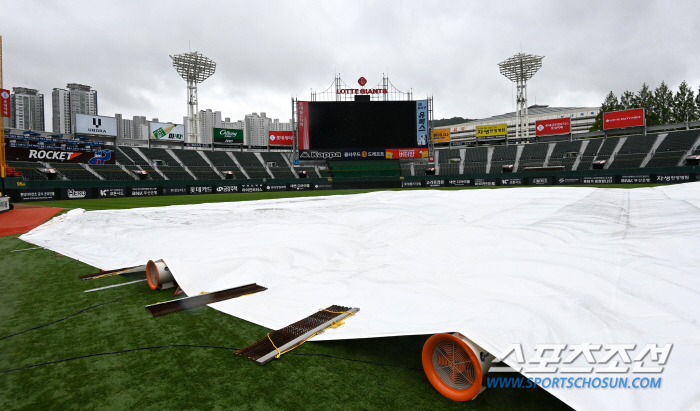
(139, 128)
(257, 128)
(208, 120)
(27, 109)
(78, 99)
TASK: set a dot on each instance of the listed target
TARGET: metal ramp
(276, 343)
(188, 303)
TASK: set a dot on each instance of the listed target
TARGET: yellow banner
(441, 135)
(490, 131)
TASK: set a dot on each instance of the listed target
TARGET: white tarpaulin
(522, 266)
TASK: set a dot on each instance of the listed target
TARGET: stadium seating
(152, 174)
(74, 172)
(190, 158)
(475, 160)
(589, 153)
(502, 155)
(197, 164)
(251, 164)
(533, 155)
(111, 172)
(28, 169)
(558, 157)
(447, 169)
(130, 156)
(223, 162)
(673, 149)
(159, 154)
(282, 169)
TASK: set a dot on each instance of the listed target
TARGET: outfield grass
(40, 286)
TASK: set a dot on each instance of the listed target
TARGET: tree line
(661, 106)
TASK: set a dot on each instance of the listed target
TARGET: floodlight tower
(194, 67)
(519, 69)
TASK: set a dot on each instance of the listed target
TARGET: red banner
(303, 124)
(5, 103)
(398, 153)
(554, 126)
(281, 138)
(625, 118)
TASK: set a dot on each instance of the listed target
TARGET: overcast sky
(268, 51)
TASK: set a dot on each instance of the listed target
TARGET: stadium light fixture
(194, 68)
(519, 69)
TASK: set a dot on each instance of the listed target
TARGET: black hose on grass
(72, 315)
(203, 346)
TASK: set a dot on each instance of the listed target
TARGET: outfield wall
(21, 190)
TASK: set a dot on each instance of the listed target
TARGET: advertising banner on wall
(275, 187)
(624, 118)
(281, 138)
(422, 123)
(111, 192)
(511, 181)
(39, 194)
(491, 131)
(399, 153)
(635, 179)
(372, 154)
(299, 186)
(98, 125)
(672, 178)
(303, 124)
(167, 131)
(441, 135)
(75, 193)
(411, 184)
(5, 103)
(144, 191)
(554, 126)
(173, 190)
(226, 189)
(228, 135)
(33, 152)
(598, 179)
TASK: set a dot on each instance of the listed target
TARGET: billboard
(167, 131)
(422, 123)
(98, 125)
(399, 153)
(281, 138)
(624, 118)
(59, 155)
(303, 125)
(491, 131)
(228, 135)
(441, 135)
(554, 126)
(359, 125)
(5, 103)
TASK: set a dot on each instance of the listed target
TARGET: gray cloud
(267, 52)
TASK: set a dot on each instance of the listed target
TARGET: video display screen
(360, 124)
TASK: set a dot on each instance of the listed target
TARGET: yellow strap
(273, 344)
(334, 324)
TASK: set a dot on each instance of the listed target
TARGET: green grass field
(39, 286)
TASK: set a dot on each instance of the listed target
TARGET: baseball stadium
(367, 259)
